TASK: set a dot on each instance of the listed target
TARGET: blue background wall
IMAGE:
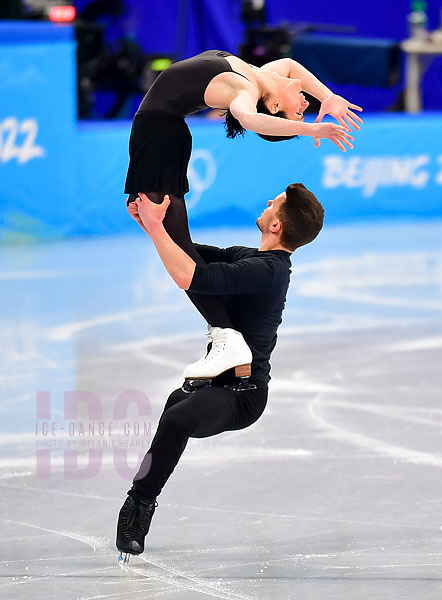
(183, 28)
(217, 22)
(60, 178)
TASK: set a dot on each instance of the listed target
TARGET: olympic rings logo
(202, 173)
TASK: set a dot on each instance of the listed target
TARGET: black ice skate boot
(133, 525)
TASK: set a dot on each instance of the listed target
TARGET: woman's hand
(336, 133)
(339, 108)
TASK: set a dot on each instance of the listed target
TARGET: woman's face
(292, 100)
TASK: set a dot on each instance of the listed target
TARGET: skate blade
(242, 385)
(123, 559)
(192, 385)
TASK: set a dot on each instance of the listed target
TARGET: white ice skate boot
(209, 337)
(229, 351)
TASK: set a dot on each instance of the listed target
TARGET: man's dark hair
(234, 127)
(301, 215)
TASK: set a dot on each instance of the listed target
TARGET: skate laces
(218, 343)
(136, 517)
(147, 513)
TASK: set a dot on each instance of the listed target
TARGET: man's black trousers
(199, 414)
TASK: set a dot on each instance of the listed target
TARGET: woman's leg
(229, 349)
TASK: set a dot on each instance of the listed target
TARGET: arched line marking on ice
(208, 589)
(62, 533)
(406, 454)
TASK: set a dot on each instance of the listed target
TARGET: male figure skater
(253, 282)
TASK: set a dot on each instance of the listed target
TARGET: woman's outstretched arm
(332, 104)
(243, 108)
(287, 67)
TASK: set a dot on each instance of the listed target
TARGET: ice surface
(334, 493)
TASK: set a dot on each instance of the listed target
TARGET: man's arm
(178, 264)
(246, 276)
(252, 275)
(212, 254)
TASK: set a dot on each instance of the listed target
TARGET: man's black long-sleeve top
(255, 285)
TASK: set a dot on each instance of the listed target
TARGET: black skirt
(159, 147)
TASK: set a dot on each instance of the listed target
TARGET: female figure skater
(266, 100)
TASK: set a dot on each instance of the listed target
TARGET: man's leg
(204, 413)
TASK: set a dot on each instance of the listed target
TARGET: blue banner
(395, 170)
(38, 167)
(59, 178)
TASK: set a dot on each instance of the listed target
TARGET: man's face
(270, 214)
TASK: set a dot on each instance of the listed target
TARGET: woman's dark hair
(301, 215)
(234, 127)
